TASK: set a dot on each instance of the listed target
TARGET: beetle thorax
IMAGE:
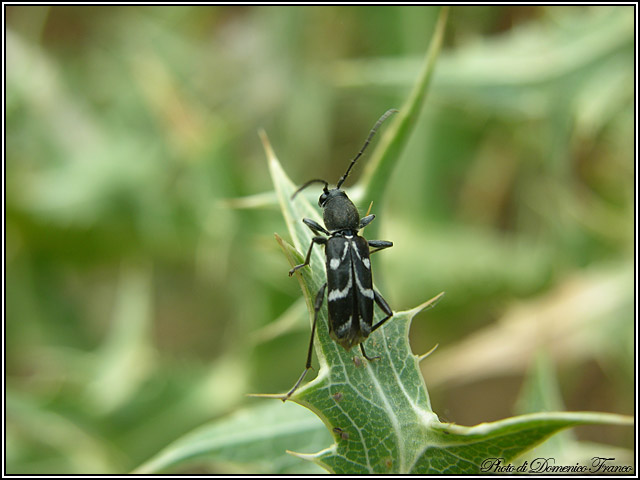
(339, 212)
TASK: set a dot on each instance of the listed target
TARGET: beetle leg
(366, 220)
(364, 354)
(379, 245)
(315, 226)
(384, 306)
(316, 309)
(314, 240)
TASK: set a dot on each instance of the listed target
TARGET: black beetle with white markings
(349, 281)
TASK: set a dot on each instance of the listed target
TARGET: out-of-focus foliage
(139, 305)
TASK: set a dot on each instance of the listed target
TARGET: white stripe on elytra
(355, 249)
(365, 261)
(367, 292)
(342, 293)
(338, 294)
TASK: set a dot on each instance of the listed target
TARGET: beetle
(349, 282)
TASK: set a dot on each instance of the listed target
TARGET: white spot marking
(364, 327)
(366, 263)
(334, 264)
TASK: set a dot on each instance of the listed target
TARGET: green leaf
(377, 171)
(253, 439)
(461, 449)
(379, 412)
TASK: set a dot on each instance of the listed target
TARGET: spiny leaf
(379, 412)
(461, 449)
(375, 404)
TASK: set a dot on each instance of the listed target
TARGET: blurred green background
(141, 303)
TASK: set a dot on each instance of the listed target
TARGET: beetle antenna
(315, 180)
(366, 143)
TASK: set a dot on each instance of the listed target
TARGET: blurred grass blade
(82, 448)
(126, 357)
(259, 200)
(587, 51)
(378, 169)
